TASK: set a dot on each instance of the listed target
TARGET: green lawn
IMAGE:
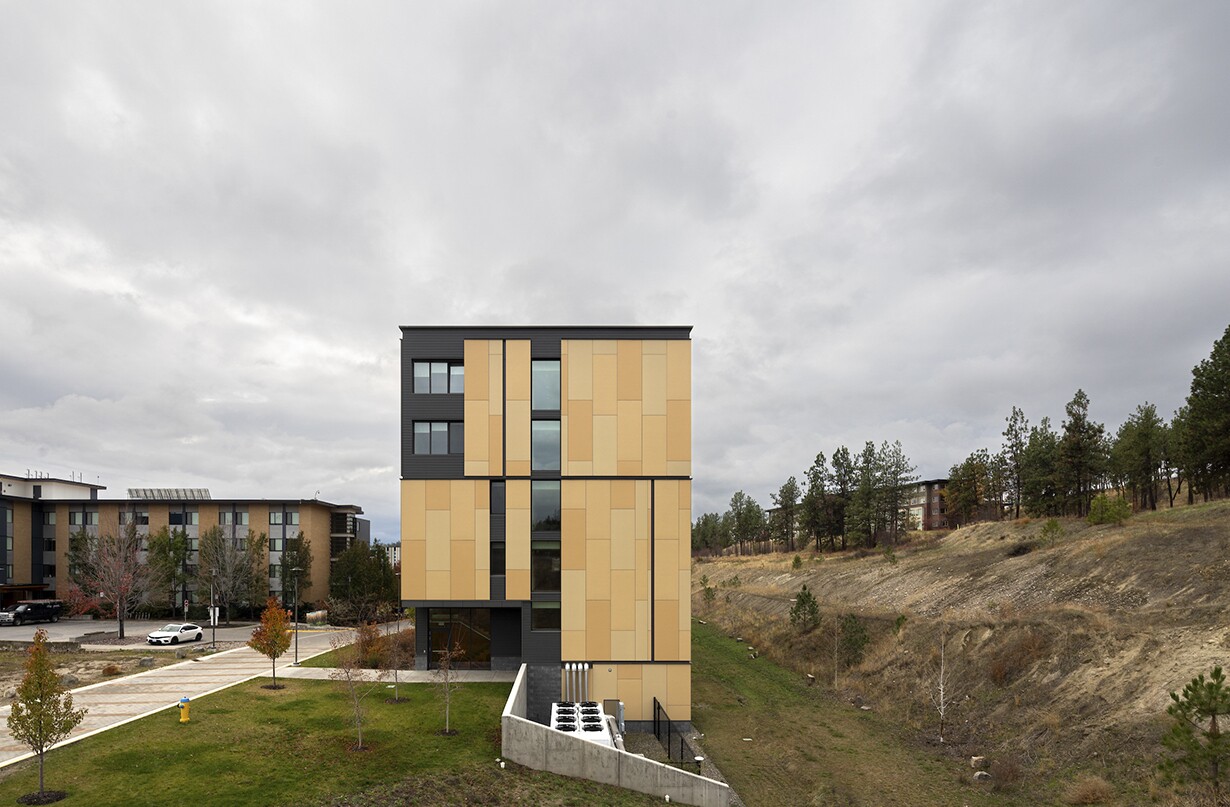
(252, 746)
(807, 747)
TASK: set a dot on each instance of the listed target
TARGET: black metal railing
(678, 749)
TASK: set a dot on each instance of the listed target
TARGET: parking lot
(85, 630)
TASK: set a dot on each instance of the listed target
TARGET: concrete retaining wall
(544, 749)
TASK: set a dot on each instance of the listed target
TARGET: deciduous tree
(362, 582)
(296, 554)
(43, 712)
(350, 675)
(169, 551)
(234, 565)
(446, 659)
(112, 565)
(271, 638)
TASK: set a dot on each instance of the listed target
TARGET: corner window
(544, 566)
(545, 384)
(544, 445)
(544, 507)
(439, 437)
(544, 616)
(439, 377)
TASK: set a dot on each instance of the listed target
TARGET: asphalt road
(83, 630)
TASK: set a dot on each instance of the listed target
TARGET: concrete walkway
(122, 700)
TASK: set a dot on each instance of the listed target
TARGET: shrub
(890, 555)
(1021, 548)
(797, 563)
(111, 669)
(1005, 773)
(1016, 656)
(1107, 510)
(852, 641)
(805, 613)
(1052, 531)
(367, 646)
(1088, 789)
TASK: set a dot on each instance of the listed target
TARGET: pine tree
(1196, 741)
(1208, 419)
(43, 712)
(805, 613)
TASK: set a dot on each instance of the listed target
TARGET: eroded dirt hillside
(1062, 650)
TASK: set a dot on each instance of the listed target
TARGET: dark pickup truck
(32, 611)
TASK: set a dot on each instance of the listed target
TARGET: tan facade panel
(446, 528)
(517, 454)
(484, 407)
(605, 384)
(517, 537)
(653, 384)
(21, 557)
(628, 381)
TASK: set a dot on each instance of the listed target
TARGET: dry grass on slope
(1063, 652)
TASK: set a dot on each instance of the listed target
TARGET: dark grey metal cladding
(538, 647)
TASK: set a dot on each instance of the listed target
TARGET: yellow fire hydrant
(183, 709)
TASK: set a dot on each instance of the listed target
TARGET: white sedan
(175, 633)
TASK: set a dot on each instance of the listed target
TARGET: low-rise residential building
(39, 514)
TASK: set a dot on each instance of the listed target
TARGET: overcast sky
(885, 221)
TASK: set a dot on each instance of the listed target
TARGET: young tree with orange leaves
(271, 637)
(43, 712)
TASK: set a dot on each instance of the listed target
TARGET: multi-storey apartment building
(38, 514)
(927, 511)
(546, 505)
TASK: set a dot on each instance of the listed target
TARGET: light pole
(213, 616)
(295, 571)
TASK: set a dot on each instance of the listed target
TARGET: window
(226, 518)
(497, 498)
(544, 507)
(91, 519)
(544, 616)
(544, 389)
(241, 518)
(497, 557)
(275, 571)
(544, 445)
(49, 570)
(275, 517)
(49, 518)
(439, 377)
(439, 437)
(175, 519)
(544, 566)
(276, 543)
(138, 517)
(74, 518)
(192, 518)
(49, 544)
(292, 518)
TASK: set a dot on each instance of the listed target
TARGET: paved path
(122, 700)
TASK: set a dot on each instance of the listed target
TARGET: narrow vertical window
(422, 438)
(457, 378)
(544, 445)
(422, 377)
(439, 438)
(545, 386)
(439, 376)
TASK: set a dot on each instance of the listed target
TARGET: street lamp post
(295, 571)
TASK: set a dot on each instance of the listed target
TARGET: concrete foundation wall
(542, 748)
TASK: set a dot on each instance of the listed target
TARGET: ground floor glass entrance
(466, 628)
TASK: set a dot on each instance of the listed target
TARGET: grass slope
(807, 747)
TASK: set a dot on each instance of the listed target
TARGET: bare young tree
(112, 567)
(233, 565)
(941, 689)
(393, 656)
(446, 677)
(350, 674)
